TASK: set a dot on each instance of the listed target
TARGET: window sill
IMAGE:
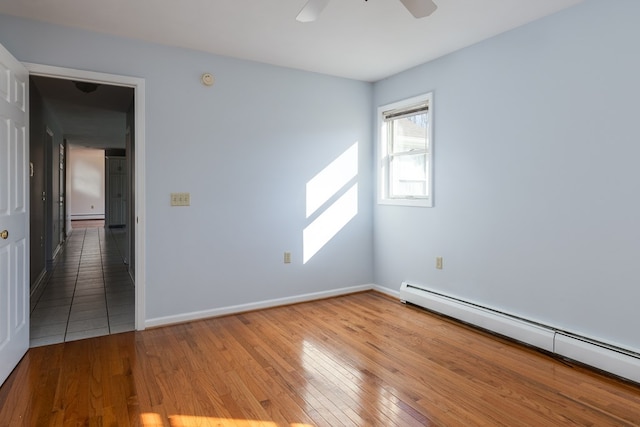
(420, 203)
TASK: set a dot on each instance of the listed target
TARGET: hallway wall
(41, 118)
(86, 175)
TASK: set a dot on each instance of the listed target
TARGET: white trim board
(80, 217)
(138, 85)
(235, 309)
(383, 290)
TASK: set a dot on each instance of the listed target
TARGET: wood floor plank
(370, 352)
(269, 388)
(356, 360)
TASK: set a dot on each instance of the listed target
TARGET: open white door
(14, 213)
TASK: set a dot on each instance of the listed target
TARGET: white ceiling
(357, 39)
(363, 40)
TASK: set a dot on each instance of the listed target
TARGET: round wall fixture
(207, 79)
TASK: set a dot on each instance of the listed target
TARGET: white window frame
(383, 152)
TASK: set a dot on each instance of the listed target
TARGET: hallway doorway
(88, 289)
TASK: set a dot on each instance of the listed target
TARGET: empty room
(339, 212)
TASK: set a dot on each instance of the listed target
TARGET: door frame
(138, 85)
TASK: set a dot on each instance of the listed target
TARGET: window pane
(409, 133)
(406, 152)
(408, 175)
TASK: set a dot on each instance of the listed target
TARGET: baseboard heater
(621, 362)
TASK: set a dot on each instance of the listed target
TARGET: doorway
(87, 242)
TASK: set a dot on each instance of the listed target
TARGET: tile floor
(89, 292)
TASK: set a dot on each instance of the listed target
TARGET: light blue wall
(537, 183)
(245, 149)
(536, 169)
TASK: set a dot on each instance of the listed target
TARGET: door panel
(14, 209)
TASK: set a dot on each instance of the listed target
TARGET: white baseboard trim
(235, 309)
(56, 251)
(387, 291)
(74, 217)
(38, 282)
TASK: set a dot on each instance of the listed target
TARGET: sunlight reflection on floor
(154, 420)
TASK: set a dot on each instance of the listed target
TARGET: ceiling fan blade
(311, 10)
(420, 8)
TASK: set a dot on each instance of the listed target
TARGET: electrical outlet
(287, 257)
(180, 199)
(439, 263)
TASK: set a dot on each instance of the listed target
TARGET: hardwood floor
(358, 360)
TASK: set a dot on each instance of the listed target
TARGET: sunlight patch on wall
(327, 184)
(331, 179)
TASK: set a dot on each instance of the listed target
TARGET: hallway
(89, 292)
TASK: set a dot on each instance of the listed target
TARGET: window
(406, 152)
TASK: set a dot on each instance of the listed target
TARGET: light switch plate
(180, 199)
